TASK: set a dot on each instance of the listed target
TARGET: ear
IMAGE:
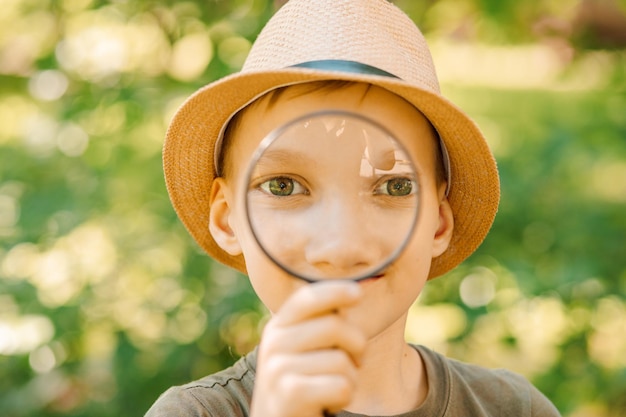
(220, 218)
(443, 235)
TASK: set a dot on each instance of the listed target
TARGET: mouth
(371, 279)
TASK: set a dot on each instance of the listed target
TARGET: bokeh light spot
(609, 321)
(72, 140)
(435, 325)
(40, 132)
(94, 52)
(15, 111)
(190, 56)
(23, 334)
(478, 289)
(42, 360)
(48, 85)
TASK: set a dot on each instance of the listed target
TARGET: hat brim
(188, 155)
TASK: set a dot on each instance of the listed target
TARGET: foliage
(104, 299)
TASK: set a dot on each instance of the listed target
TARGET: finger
(323, 362)
(325, 332)
(283, 383)
(320, 298)
(329, 393)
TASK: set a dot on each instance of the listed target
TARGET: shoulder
(489, 391)
(225, 393)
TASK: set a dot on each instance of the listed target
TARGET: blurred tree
(104, 299)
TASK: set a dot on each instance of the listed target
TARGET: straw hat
(369, 41)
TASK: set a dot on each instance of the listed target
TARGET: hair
(224, 168)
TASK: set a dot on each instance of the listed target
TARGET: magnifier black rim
(269, 139)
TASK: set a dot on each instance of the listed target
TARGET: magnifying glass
(332, 195)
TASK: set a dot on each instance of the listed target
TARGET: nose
(343, 242)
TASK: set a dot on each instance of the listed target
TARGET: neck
(389, 358)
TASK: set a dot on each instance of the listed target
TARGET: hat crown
(371, 32)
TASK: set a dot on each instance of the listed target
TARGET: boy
(338, 346)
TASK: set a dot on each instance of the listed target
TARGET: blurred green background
(105, 301)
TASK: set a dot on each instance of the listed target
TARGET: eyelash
(385, 180)
(264, 185)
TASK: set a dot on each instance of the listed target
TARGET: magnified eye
(282, 187)
(397, 187)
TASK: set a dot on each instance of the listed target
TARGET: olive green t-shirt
(455, 389)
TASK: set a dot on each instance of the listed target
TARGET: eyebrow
(278, 158)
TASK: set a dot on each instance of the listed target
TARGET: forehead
(398, 116)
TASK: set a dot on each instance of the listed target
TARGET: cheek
(416, 258)
(420, 246)
(270, 283)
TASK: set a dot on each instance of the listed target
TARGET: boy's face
(389, 295)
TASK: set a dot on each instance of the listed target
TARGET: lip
(371, 279)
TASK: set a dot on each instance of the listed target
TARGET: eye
(282, 187)
(396, 187)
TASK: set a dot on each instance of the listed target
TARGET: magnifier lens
(332, 195)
